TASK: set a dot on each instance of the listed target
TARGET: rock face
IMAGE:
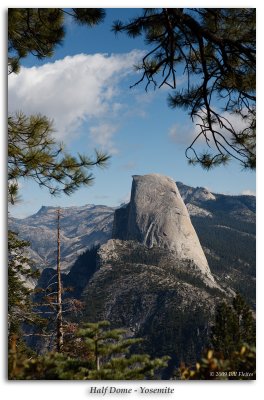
(81, 228)
(157, 216)
(166, 301)
(153, 278)
(193, 195)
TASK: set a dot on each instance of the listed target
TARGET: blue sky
(84, 88)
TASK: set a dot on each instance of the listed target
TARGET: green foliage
(234, 326)
(111, 354)
(107, 356)
(33, 153)
(38, 31)
(240, 365)
(20, 307)
(19, 272)
(88, 16)
(218, 60)
(51, 366)
(34, 31)
(233, 339)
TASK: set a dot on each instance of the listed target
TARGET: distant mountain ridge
(81, 228)
(225, 226)
(238, 206)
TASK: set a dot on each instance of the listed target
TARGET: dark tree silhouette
(38, 31)
(234, 326)
(216, 50)
(33, 153)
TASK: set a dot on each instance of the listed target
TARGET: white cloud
(72, 90)
(102, 136)
(182, 134)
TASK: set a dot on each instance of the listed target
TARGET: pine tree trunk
(59, 292)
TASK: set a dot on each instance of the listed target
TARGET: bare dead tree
(59, 290)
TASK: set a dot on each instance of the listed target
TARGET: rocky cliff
(151, 294)
(153, 278)
(157, 216)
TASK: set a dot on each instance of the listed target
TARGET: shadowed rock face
(157, 216)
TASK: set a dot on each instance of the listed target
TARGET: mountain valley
(157, 266)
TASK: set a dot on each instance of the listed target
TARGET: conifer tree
(19, 273)
(20, 307)
(245, 321)
(106, 355)
(233, 340)
(110, 354)
(234, 326)
(33, 153)
(38, 31)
